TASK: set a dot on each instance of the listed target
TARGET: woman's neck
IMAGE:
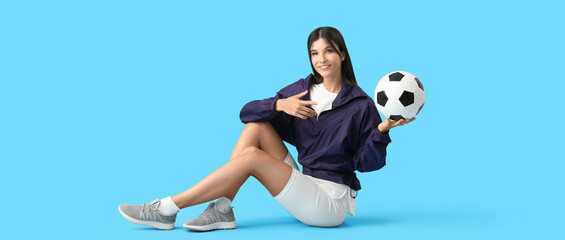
(333, 84)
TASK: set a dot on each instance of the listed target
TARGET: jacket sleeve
(263, 111)
(259, 110)
(371, 148)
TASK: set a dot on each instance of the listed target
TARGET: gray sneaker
(148, 215)
(211, 219)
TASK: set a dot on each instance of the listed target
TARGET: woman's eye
(314, 54)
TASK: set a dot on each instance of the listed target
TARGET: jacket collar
(347, 92)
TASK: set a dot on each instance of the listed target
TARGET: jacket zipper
(318, 116)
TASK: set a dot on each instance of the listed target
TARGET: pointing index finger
(309, 103)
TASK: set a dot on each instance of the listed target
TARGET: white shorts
(314, 201)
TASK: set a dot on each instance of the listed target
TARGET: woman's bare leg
(251, 161)
(263, 136)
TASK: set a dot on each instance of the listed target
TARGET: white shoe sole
(210, 227)
(159, 225)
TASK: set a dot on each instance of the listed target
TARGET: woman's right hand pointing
(296, 107)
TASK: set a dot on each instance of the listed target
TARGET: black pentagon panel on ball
(395, 77)
(406, 98)
(419, 84)
(396, 117)
(382, 98)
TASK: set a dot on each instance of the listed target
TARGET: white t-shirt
(324, 98)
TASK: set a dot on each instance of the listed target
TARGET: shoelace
(208, 212)
(211, 214)
(146, 209)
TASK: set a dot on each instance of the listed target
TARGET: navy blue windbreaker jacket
(340, 141)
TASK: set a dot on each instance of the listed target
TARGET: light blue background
(110, 102)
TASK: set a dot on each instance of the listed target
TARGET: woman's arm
(370, 154)
(385, 126)
(269, 108)
(296, 107)
(259, 110)
(264, 111)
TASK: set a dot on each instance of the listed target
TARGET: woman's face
(325, 59)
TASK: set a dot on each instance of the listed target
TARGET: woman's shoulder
(297, 87)
(359, 98)
(363, 106)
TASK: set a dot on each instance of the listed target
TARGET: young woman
(333, 124)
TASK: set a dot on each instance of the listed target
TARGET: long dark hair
(333, 36)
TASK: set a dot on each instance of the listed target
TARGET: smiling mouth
(324, 67)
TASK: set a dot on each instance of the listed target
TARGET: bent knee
(257, 125)
(248, 154)
(250, 150)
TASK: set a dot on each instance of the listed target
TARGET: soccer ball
(399, 95)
